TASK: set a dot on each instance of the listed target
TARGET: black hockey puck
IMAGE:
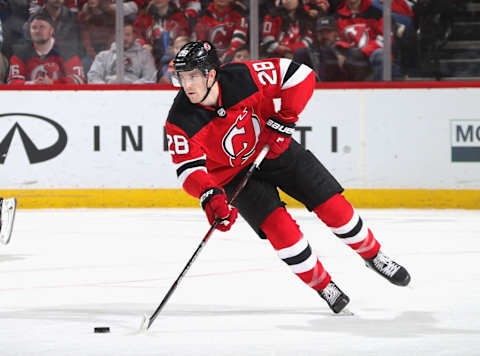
(102, 329)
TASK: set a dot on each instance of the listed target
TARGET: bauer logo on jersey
(465, 139)
(240, 140)
(33, 134)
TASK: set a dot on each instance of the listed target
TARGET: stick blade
(144, 326)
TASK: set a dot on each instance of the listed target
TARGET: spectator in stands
(130, 8)
(191, 9)
(97, 30)
(13, 14)
(265, 7)
(73, 5)
(139, 66)
(3, 59)
(285, 29)
(332, 59)
(223, 25)
(159, 24)
(317, 8)
(361, 26)
(402, 12)
(241, 54)
(41, 61)
(67, 31)
(165, 74)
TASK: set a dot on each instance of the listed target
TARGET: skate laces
(385, 265)
(330, 293)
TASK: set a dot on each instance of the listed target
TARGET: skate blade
(345, 312)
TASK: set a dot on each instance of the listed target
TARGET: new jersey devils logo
(240, 140)
(357, 35)
(50, 69)
(218, 36)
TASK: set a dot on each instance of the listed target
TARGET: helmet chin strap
(208, 89)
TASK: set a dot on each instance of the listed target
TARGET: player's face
(128, 37)
(40, 31)
(194, 84)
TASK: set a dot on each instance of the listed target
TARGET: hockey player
(216, 127)
(7, 216)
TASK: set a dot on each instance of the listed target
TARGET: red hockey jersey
(274, 34)
(209, 146)
(226, 30)
(363, 30)
(149, 27)
(26, 65)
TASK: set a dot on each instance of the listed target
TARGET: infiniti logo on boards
(35, 155)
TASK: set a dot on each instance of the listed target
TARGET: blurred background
(342, 40)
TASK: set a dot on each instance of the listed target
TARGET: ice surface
(68, 271)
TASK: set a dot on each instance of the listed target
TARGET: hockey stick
(147, 321)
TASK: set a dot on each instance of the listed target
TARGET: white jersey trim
(305, 266)
(293, 250)
(348, 226)
(183, 177)
(362, 235)
(179, 165)
(299, 76)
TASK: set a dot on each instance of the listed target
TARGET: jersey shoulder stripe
(292, 73)
(187, 116)
(236, 83)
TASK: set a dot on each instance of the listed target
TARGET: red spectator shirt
(26, 65)
(226, 30)
(273, 35)
(209, 146)
(402, 7)
(363, 30)
(148, 28)
(190, 7)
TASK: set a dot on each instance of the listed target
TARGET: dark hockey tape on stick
(101, 330)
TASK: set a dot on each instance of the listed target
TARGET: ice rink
(68, 271)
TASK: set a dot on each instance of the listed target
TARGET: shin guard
(340, 216)
(286, 238)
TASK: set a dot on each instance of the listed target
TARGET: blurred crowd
(73, 41)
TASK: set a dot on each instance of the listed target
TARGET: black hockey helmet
(199, 55)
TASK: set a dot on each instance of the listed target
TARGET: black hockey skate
(335, 298)
(389, 269)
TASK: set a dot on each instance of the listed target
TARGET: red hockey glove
(214, 202)
(277, 135)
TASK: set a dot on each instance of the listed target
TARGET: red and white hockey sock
(340, 216)
(286, 238)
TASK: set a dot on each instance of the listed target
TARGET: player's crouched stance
(7, 217)
(217, 126)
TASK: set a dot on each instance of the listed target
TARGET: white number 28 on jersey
(266, 72)
(180, 144)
